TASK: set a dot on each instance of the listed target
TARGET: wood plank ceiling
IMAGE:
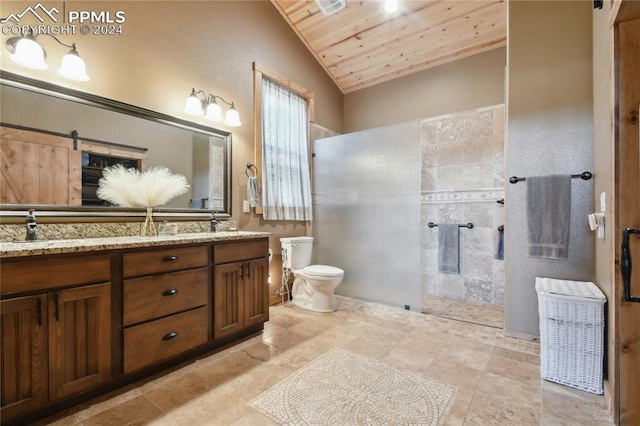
(361, 45)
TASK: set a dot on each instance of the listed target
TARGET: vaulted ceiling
(361, 45)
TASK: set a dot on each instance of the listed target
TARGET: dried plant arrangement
(128, 187)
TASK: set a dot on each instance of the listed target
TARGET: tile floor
(478, 313)
(497, 377)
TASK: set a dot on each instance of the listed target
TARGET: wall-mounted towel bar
(249, 167)
(583, 176)
(466, 225)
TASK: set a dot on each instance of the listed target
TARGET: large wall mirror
(202, 154)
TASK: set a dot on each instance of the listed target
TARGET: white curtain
(286, 193)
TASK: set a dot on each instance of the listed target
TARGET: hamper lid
(584, 289)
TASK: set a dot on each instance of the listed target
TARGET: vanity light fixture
(210, 108)
(26, 51)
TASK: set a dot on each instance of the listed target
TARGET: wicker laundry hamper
(571, 333)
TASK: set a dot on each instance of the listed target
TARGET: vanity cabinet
(56, 343)
(76, 324)
(240, 287)
(165, 304)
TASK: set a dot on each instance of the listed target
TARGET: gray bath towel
(548, 216)
(500, 244)
(253, 194)
(449, 249)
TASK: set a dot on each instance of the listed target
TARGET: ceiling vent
(329, 7)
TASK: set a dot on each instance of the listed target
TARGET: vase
(148, 227)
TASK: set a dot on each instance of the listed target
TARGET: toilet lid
(323, 271)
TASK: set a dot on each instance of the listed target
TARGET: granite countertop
(31, 248)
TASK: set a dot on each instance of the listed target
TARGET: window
(283, 111)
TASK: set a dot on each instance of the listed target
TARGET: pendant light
(193, 105)
(27, 52)
(232, 118)
(214, 112)
(73, 67)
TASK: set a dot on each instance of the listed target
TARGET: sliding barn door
(38, 168)
(628, 222)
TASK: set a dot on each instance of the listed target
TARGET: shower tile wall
(462, 178)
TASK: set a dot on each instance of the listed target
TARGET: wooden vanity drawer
(156, 341)
(163, 260)
(42, 274)
(242, 250)
(155, 296)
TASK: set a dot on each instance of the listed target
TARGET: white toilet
(314, 284)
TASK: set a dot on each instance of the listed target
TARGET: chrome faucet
(32, 226)
(214, 223)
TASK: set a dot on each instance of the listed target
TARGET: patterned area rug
(344, 388)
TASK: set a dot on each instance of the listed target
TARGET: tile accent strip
(467, 196)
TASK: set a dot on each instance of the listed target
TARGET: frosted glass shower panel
(367, 212)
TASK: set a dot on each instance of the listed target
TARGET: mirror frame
(11, 212)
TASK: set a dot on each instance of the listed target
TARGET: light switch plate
(246, 207)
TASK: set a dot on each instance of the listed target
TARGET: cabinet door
(23, 361)
(256, 298)
(79, 339)
(227, 293)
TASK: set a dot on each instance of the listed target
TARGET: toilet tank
(296, 252)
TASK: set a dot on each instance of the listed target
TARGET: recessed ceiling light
(390, 6)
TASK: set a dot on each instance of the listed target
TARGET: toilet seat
(322, 271)
(313, 285)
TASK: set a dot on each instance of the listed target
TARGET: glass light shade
(232, 119)
(214, 112)
(73, 67)
(390, 6)
(29, 53)
(193, 105)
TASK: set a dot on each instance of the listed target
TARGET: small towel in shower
(449, 249)
(252, 192)
(500, 245)
(548, 216)
(199, 203)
